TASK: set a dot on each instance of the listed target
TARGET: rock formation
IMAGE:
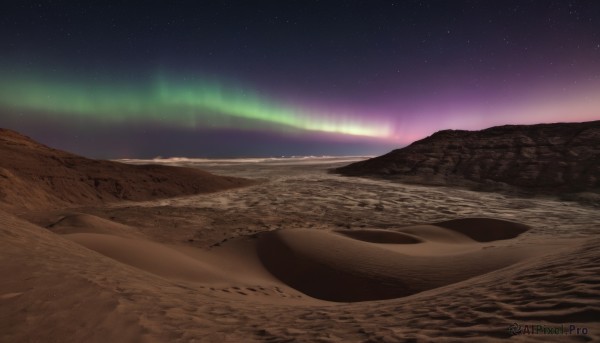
(561, 157)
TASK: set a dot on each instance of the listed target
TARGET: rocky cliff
(562, 157)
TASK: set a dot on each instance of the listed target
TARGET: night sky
(273, 78)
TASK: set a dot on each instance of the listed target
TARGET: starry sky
(279, 78)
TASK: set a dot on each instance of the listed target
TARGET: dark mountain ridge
(542, 158)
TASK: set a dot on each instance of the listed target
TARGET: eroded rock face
(563, 157)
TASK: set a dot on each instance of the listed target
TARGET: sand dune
(236, 262)
(340, 265)
(335, 267)
(350, 265)
(162, 261)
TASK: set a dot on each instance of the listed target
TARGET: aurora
(228, 79)
(166, 100)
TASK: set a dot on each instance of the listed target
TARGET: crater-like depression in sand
(331, 265)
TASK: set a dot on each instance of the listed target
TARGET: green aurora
(181, 103)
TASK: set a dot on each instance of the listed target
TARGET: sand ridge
(327, 265)
(338, 268)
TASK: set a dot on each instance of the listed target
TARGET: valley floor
(191, 269)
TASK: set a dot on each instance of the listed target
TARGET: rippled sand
(193, 268)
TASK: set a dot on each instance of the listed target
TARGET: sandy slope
(338, 268)
(34, 176)
(346, 269)
(60, 291)
(248, 264)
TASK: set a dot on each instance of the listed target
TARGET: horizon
(196, 158)
(297, 78)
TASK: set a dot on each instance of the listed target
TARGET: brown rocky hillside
(33, 175)
(561, 157)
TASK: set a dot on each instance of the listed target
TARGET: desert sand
(298, 254)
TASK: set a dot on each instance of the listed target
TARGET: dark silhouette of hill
(34, 176)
